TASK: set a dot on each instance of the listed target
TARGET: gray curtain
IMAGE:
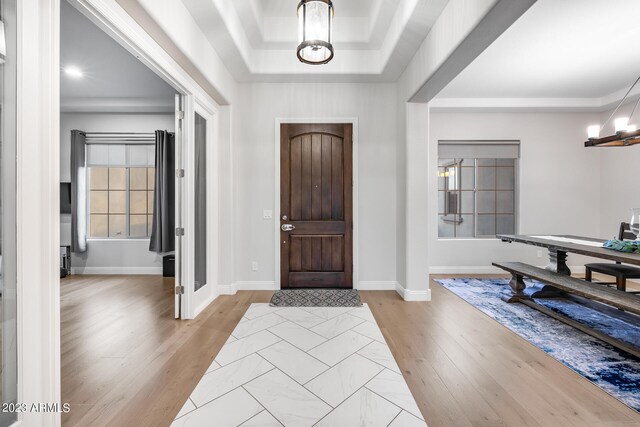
(78, 192)
(163, 228)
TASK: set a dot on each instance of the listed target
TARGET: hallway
(127, 362)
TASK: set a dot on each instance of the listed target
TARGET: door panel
(200, 202)
(316, 177)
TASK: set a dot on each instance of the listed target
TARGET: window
(120, 186)
(477, 189)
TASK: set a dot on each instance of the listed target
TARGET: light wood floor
(126, 362)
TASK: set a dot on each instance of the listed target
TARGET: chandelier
(625, 133)
(315, 19)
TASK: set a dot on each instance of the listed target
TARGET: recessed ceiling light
(74, 72)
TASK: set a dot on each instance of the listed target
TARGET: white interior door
(203, 210)
(179, 201)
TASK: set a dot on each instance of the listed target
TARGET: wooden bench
(613, 297)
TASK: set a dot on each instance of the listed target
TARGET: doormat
(316, 298)
(613, 370)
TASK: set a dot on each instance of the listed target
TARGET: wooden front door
(316, 225)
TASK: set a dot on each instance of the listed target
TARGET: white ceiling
(570, 49)
(114, 79)
(284, 7)
(374, 40)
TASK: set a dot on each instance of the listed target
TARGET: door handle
(287, 227)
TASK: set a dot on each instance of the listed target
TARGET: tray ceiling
(374, 39)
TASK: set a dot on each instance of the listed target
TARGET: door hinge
(179, 231)
(179, 173)
(179, 289)
(179, 115)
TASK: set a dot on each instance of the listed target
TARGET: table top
(568, 243)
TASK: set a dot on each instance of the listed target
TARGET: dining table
(558, 282)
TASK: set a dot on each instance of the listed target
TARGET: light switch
(267, 214)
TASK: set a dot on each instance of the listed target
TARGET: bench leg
(517, 287)
(557, 264)
(621, 283)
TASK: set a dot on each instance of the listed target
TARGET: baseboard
(206, 303)
(377, 286)
(413, 295)
(227, 289)
(116, 270)
(256, 286)
(474, 269)
(577, 269)
(486, 269)
(270, 286)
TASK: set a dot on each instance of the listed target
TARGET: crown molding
(116, 105)
(528, 105)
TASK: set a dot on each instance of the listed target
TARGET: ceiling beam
(500, 17)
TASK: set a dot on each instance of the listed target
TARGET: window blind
(120, 155)
(478, 149)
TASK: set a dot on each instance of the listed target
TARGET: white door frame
(37, 208)
(348, 120)
(111, 18)
(38, 174)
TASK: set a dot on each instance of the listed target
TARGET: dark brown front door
(315, 199)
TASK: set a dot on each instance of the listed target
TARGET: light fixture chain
(634, 108)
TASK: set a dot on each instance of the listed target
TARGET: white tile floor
(303, 367)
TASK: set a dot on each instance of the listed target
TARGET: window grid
(118, 224)
(500, 219)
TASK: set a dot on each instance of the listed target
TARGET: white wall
(109, 256)
(416, 279)
(457, 20)
(559, 183)
(401, 189)
(619, 190)
(254, 150)
(619, 185)
(188, 44)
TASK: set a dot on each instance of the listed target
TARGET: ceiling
(584, 50)
(284, 7)
(114, 80)
(374, 40)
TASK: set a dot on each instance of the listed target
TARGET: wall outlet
(254, 266)
(539, 253)
(267, 214)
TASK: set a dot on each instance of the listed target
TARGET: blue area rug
(613, 370)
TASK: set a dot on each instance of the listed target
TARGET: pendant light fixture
(315, 23)
(625, 133)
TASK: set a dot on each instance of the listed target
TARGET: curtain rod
(123, 142)
(121, 138)
(119, 133)
(141, 138)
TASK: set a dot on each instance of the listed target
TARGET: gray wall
(254, 149)
(109, 256)
(559, 183)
